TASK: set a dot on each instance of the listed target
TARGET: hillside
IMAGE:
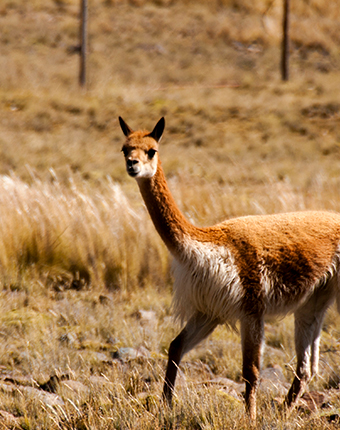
(214, 74)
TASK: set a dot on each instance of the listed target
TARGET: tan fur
(242, 269)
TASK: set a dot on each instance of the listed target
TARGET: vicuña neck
(170, 223)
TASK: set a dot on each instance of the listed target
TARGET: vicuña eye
(151, 153)
(125, 152)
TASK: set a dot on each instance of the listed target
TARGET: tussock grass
(52, 325)
(63, 315)
(75, 233)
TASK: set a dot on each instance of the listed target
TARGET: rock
(96, 358)
(273, 382)
(104, 300)
(49, 399)
(228, 387)
(76, 387)
(226, 382)
(273, 373)
(78, 284)
(333, 380)
(201, 369)
(230, 396)
(53, 383)
(100, 381)
(143, 352)
(312, 401)
(147, 318)
(333, 417)
(9, 421)
(275, 353)
(18, 379)
(103, 358)
(71, 339)
(8, 388)
(147, 400)
(147, 315)
(127, 353)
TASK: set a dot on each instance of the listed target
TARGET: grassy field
(85, 284)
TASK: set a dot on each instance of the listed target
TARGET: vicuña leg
(308, 323)
(252, 333)
(197, 329)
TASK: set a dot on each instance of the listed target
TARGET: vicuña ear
(126, 129)
(157, 132)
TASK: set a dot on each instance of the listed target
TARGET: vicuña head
(140, 150)
(241, 270)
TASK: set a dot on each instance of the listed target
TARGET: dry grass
(71, 264)
(79, 257)
(75, 334)
(75, 233)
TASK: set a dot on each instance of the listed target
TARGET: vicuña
(242, 269)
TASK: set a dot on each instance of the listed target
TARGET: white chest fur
(207, 281)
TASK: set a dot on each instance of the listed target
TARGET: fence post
(285, 42)
(83, 42)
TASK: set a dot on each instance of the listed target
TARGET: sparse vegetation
(80, 260)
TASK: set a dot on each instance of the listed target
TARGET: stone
(49, 399)
(9, 421)
(76, 387)
(228, 387)
(128, 353)
(313, 400)
(273, 382)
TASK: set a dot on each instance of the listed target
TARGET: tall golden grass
(91, 234)
(88, 234)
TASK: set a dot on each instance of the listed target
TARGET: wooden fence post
(285, 42)
(83, 42)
